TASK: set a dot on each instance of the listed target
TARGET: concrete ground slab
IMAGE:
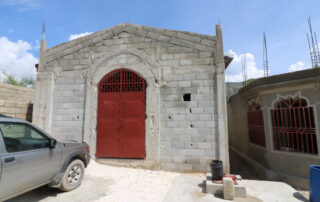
(273, 191)
(191, 188)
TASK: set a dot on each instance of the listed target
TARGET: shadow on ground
(37, 194)
(301, 197)
(240, 167)
(91, 189)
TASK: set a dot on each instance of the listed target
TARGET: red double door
(121, 116)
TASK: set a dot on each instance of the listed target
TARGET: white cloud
(298, 66)
(75, 36)
(23, 5)
(16, 59)
(234, 70)
(37, 45)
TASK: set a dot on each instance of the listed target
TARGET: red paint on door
(121, 115)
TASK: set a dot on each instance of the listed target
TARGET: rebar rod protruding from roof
(244, 69)
(265, 56)
(317, 47)
(43, 30)
(313, 46)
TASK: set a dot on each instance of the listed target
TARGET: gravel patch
(109, 183)
(133, 184)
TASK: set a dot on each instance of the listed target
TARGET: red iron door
(121, 115)
(108, 125)
(132, 121)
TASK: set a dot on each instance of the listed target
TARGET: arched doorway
(121, 115)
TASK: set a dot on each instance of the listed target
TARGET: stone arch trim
(297, 94)
(152, 99)
(155, 66)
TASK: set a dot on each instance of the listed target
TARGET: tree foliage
(250, 81)
(12, 80)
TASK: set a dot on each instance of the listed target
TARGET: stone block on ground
(228, 188)
(217, 189)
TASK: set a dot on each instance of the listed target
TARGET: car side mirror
(52, 143)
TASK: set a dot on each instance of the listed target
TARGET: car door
(28, 161)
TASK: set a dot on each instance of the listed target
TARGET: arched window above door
(122, 80)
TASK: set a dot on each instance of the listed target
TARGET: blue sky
(284, 21)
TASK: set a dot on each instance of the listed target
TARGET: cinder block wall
(181, 134)
(16, 101)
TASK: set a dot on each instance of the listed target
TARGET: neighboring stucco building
(274, 124)
(138, 92)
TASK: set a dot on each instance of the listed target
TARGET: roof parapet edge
(115, 30)
(281, 78)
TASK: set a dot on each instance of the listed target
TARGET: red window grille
(256, 124)
(293, 126)
(123, 80)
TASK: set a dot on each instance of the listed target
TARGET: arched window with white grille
(293, 126)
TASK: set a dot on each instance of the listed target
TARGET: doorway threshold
(129, 163)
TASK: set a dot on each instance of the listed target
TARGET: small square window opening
(187, 97)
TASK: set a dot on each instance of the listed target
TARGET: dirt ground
(109, 183)
(103, 183)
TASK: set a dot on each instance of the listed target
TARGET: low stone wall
(16, 101)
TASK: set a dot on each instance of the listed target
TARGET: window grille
(293, 126)
(122, 80)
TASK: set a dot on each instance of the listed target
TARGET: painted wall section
(291, 167)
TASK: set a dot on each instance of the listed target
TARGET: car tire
(73, 176)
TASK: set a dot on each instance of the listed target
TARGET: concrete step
(130, 163)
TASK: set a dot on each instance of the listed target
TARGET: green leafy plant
(250, 81)
(12, 80)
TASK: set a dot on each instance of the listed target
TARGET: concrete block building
(274, 125)
(138, 92)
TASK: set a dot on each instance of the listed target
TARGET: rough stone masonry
(185, 124)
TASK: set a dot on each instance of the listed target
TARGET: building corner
(222, 128)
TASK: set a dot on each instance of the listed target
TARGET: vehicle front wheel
(72, 176)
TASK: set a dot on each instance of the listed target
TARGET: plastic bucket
(315, 183)
(216, 169)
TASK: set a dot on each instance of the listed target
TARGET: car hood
(70, 143)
